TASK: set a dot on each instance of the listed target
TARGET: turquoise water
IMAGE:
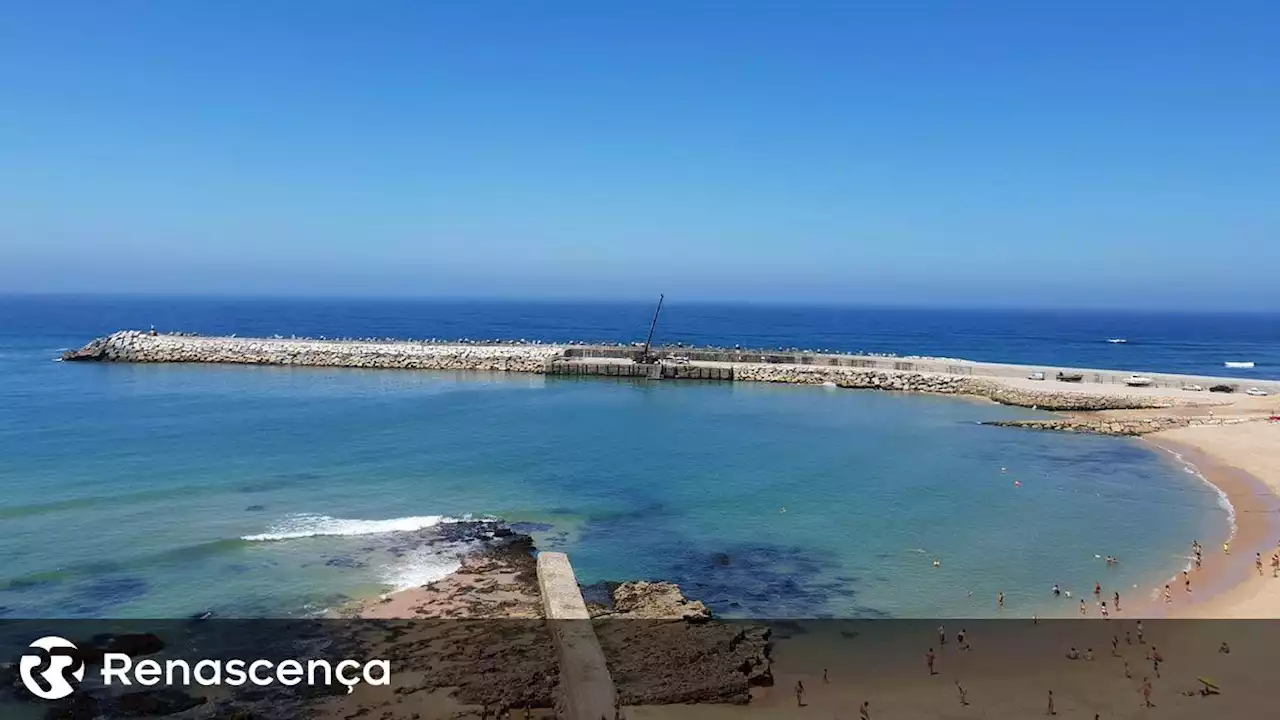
(127, 491)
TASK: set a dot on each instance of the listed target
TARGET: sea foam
(418, 568)
(306, 525)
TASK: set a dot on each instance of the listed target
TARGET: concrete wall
(585, 690)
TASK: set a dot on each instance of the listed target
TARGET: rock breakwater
(139, 347)
(1117, 426)
(939, 383)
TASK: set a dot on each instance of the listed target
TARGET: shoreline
(1250, 505)
(1242, 462)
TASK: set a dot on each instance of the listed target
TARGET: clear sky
(981, 153)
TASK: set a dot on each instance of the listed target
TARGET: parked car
(1223, 388)
(1256, 392)
(1193, 388)
(1070, 377)
(1036, 376)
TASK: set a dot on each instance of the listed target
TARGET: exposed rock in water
(656, 601)
(663, 648)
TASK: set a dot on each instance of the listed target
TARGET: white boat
(1117, 341)
(1247, 364)
(1138, 381)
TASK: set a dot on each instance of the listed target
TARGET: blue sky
(980, 153)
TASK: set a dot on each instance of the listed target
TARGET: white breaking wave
(304, 526)
(1244, 364)
(418, 568)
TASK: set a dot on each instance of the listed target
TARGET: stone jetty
(140, 347)
(920, 375)
(1127, 426)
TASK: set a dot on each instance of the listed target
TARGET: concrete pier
(585, 690)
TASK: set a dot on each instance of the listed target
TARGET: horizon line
(631, 300)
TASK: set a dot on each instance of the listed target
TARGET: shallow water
(127, 491)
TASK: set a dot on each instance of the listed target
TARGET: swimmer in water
(937, 562)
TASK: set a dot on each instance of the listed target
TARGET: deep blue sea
(163, 491)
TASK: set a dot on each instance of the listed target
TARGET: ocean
(166, 491)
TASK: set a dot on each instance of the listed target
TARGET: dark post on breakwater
(649, 340)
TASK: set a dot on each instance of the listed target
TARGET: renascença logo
(55, 681)
(65, 669)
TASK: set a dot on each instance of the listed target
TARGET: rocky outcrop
(656, 601)
(663, 648)
(1116, 426)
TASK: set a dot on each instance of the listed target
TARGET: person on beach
(1258, 564)
(799, 694)
(1116, 598)
(929, 657)
(1168, 598)
(1000, 600)
(865, 712)
(1073, 654)
(1103, 609)
(1226, 548)
(1088, 654)
(960, 639)
(1140, 640)
(1128, 674)
(1050, 710)
(1097, 589)
(1083, 609)
(825, 681)
(1057, 592)
(1115, 646)
(964, 695)
(1146, 693)
(942, 635)
(1156, 659)
(1224, 648)
(1128, 640)
(1275, 565)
